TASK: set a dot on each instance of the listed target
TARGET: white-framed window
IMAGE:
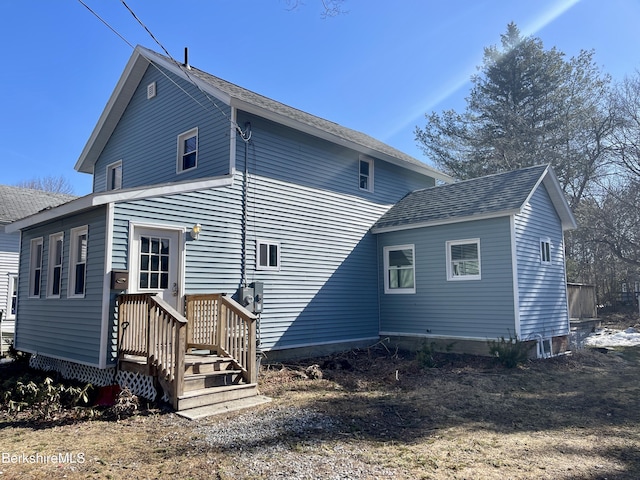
(545, 250)
(12, 296)
(267, 255)
(365, 170)
(114, 175)
(35, 267)
(463, 259)
(78, 261)
(54, 280)
(188, 150)
(399, 269)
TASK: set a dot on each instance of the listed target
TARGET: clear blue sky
(377, 69)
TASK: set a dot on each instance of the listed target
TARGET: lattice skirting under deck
(138, 384)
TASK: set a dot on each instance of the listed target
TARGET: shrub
(425, 356)
(511, 352)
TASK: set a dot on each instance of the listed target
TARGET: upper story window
(399, 267)
(78, 261)
(114, 176)
(54, 281)
(463, 259)
(188, 150)
(545, 250)
(35, 267)
(366, 174)
(267, 255)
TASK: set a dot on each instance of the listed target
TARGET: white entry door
(155, 264)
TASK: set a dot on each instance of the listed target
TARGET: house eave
(103, 198)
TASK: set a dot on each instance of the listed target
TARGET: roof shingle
(490, 195)
(18, 202)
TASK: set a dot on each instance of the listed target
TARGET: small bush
(43, 397)
(511, 352)
(425, 356)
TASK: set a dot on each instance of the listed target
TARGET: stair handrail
(150, 327)
(217, 322)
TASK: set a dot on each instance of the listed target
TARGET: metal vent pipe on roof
(186, 58)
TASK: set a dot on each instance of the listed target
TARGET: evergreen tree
(527, 106)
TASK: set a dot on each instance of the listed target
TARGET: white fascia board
(103, 198)
(323, 134)
(558, 199)
(446, 221)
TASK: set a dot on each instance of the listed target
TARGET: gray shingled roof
(484, 196)
(234, 91)
(17, 202)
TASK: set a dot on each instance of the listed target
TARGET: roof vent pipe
(186, 58)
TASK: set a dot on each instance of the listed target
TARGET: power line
(192, 81)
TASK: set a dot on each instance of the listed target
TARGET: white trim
(317, 344)
(110, 167)
(514, 272)
(430, 335)
(370, 177)
(11, 276)
(102, 198)
(181, 248)
(74, 233)
(543, 253)
(232, 140)
(385, 258)
(268, 243)
(462, 278)
(107, 319)
(445, 221)
(32, 266)
(181, 152)
(53, 240)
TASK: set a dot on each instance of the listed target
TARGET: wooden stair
(210, 379)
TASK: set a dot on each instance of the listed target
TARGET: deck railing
(149, 327)
(217, 322)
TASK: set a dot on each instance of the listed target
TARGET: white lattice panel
(99, 377)
(140, 385)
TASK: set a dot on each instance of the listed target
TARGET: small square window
(188, 150)
(114, 176)
(366, 174)
(399, 268)
(267, 255)
(463, 260)
(545, 250)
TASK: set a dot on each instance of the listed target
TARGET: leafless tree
(330, 8)
(48, 183)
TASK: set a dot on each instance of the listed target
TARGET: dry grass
(573, 417)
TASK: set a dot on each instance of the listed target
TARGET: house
(15, 203)
(476, 260)
(219, 220)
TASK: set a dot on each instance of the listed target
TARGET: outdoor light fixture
(195, 231)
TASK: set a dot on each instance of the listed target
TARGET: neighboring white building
(16, 203)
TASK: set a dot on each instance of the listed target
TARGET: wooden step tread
(213, 373)
(207, 391)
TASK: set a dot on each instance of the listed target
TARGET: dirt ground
(374, 413)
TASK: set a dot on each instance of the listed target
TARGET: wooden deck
(205, 358)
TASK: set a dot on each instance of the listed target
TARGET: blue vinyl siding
(145, 139)
(326, 288)
(481, 309)
(541, 287)
(9, 246)
(67, 328)
(281, 153)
